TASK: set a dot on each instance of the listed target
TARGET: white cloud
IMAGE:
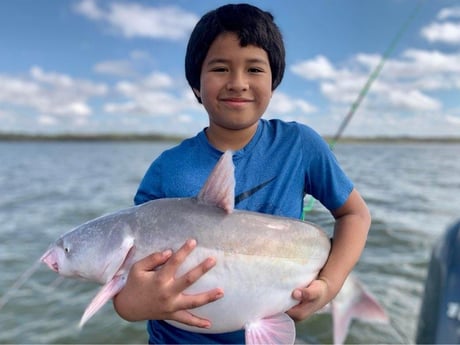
(135, 20)
(125, 107)
(59, 80)
(368, 61)
(433, 61)
(455, 120)
(47, 120)
(154, 81)
(282, 103)
(344, 90)
(89, 9)
(17, 90)
(135, 65)
(52, 96)
(153, 95)
(183, 118)
(388, 122)
(158, 80)
(77, 108)
(411, 96)
(416, 63)
(442, 32)
(147, 102)
(406, 83)
(118, 68)
(406, 98)
(413, 100)
(449, 12)
(317, 68)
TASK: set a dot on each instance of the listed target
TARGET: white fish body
(260, 258)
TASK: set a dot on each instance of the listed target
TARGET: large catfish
(260, 258)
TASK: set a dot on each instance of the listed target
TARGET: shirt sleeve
(150, 186)
(324, 178)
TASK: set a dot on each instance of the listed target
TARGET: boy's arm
(352, 223)
(154, 293)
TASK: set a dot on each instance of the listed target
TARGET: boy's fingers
(194, 301)
(194, 274)
(192, 320)
(152, 261)
(309, 293)
(297, 294)
(189, 302)
(178, 257)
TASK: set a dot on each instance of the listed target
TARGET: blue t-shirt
(282, 163)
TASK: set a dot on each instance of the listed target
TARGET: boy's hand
(154, 293)
(312, 298)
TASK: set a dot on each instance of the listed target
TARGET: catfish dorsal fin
(219, 189)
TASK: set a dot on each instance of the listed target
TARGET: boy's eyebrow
(223, 60)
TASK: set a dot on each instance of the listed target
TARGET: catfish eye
(65, 247)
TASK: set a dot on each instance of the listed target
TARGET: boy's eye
(255, 70)
(219, 69)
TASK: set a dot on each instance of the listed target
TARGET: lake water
(47, 188)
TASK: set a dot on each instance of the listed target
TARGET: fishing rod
(375, 73)
(308, 205)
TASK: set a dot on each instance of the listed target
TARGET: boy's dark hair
(252, 26)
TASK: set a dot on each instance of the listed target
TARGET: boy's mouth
(236, 100)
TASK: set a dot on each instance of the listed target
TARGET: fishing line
(18, 283)
(365, 89)
(57, 282)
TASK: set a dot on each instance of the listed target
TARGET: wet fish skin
(260, 259)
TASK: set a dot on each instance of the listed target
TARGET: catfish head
(95, 251)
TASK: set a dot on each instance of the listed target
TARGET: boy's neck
(226, 139)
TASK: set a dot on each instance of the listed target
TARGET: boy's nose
(237, 82)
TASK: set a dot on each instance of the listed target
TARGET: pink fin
(219, 188)
(359, 305)
(105, 293)
(110, 289)
(276, 329)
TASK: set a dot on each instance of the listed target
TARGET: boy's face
(236, 83)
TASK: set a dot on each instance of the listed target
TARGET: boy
(235, 60)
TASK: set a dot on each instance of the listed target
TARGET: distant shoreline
(175, 138)
(88, 137)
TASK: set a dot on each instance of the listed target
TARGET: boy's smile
(235, 86)
(235, 101)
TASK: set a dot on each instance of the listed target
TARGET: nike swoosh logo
(240, 197)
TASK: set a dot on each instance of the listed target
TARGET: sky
(114, 66)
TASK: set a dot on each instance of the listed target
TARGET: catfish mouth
(49, 258)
